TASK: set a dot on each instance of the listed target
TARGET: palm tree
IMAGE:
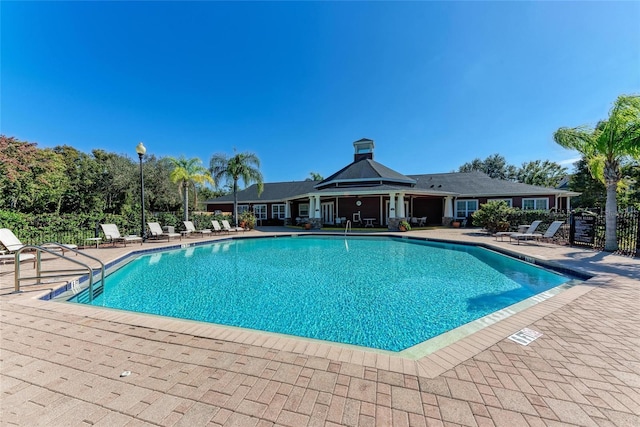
(314, 176)
(188, 172)
(245, 166)
(603, 148)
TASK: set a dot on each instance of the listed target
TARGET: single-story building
(371, 194)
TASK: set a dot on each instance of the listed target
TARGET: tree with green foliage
(604, 148)
(314, 176)
(629, 187)
(187, 173)
(32, 179)
(592, 191)
(541, 173)
(159, 191)
(495, 166)
(241, 166)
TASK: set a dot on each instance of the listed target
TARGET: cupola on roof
(364, 171)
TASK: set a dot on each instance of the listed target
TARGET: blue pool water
(375, 292)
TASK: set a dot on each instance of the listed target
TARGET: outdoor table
(369, 222)
(97, 240)
(522, 228)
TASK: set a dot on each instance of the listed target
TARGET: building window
(538, 204)
(507, 201)
(242, 209)
(464, 208)
(277, 211)
(303, 209)
(260, 211)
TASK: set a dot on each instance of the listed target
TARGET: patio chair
(528, 235)
(530, 230)
(192, 229)
(551, 231)
(112, 234)
(13, 244)
(157, 233)
(228, 228)
(422, 221)
(216, 226)
(22, 257)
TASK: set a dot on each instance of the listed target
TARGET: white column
(317, 203)
(392, 205)
(401, 212)
(568, 204)
(448, 207)
(312, 208)
(287, 209)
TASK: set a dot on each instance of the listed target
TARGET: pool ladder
(69, 272)
(347, 227)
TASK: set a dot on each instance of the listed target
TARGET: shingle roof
(461, 184)
(478, 184)
(365, 170)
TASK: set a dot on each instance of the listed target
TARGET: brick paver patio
(61, 364)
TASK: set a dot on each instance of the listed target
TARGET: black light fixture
(141, 150)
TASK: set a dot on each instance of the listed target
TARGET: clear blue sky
(434, 84)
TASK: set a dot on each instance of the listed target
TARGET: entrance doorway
(327, 212)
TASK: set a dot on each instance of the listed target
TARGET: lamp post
(140, 149)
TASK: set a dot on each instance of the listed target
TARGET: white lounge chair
(22, 258)
(531, 229)
(228, 228)
(192, 229)
(157, 233)
(13, 244)
(112, 234)
(551, 231)
(530, 234)
(216, 226)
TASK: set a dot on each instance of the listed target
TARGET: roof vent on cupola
(363, 149)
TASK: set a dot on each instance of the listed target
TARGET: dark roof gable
(362, 172)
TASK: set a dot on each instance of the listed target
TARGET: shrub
(249, 219)
(493, 216)
(405, 224)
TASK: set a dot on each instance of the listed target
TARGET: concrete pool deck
(61, 363)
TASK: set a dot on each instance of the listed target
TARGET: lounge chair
(530, 234)
(551, 231)
(192, 229)
(22, 258)
(157, 232)
(228, 228)
(216, 226)
(534, 225)
(13, 244)
(112, 234)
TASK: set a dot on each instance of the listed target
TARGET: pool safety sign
(525, 336)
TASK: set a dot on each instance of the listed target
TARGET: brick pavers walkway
(61, 365)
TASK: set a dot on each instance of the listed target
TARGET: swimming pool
(378, 292)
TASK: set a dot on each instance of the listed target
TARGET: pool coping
(442, 352)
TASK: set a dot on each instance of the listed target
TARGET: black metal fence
(588, 230)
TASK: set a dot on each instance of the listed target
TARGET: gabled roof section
(272, 192)
(363, 172)
(470, 184)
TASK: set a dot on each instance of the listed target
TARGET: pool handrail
(39, 273)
